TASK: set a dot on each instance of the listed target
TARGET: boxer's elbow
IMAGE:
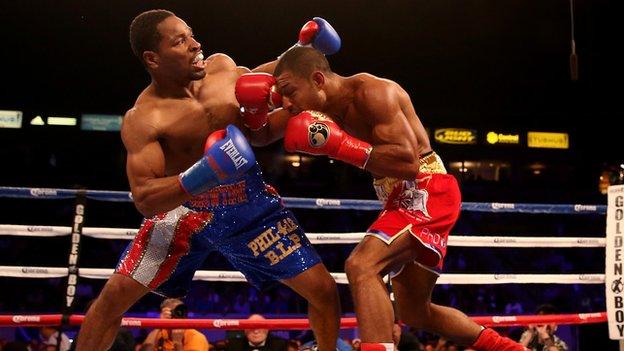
(409, 166)
(400, 165)
(144, 203)
(410, 170)
(144, 207)
(399, 170)
(146, 212)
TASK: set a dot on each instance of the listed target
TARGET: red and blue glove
(319, 34)
(227, 155)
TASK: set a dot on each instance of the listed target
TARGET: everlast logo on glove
(230, 150)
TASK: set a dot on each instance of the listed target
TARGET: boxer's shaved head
(302, 61)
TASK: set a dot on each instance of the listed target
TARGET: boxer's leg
(366, 265)
(275, 248)
(318, 287)
(162, 257)
(102, 320)
(412, 290)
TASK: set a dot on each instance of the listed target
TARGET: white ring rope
(499, 241)
(341, 278)
(321, 238)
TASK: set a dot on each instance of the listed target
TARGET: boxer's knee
(360, 268)
(326, 293)
(316, 285)
(116, 287)
(106, 304)
(118, 294)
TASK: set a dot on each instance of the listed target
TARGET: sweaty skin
(164, 134)
(379, 112)
(369, 108)
(165, 131)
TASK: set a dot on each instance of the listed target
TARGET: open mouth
(198, 61)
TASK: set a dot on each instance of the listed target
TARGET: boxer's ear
(151, 59)
(318, 78)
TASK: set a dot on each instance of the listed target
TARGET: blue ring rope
(316, 203)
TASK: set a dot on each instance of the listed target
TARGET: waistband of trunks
(431, 162)
(222, 195)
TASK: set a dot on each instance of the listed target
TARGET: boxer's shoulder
(148, 109)
(373, 94)
(140, 120)
(219, 63)
(152, 114)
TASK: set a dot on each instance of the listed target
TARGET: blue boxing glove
(321, 35)
(227, 154)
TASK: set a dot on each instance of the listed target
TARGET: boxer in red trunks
(370, 122)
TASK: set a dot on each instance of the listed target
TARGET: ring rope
(323, 238)
(341, 278)
(289, 324)
(318, 203)
(320, 238)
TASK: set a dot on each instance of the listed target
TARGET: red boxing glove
(314, 133)
(257, 96)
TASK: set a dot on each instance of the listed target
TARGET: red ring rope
(289, 324)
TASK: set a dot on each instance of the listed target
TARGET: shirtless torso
(164, 135)
(370, 95)
(370, 122)
(181, 124)
(197, 199)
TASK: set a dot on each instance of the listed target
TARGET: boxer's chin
(197, 75)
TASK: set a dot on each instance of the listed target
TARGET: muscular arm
(394, 143)
(268, 67)
(152, 192)
(273, 131)
(277, 119)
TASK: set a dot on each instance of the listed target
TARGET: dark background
(469, 64)
(480, 65)
(502, 63)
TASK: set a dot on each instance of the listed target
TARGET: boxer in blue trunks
(194, 177)
(243, 219)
